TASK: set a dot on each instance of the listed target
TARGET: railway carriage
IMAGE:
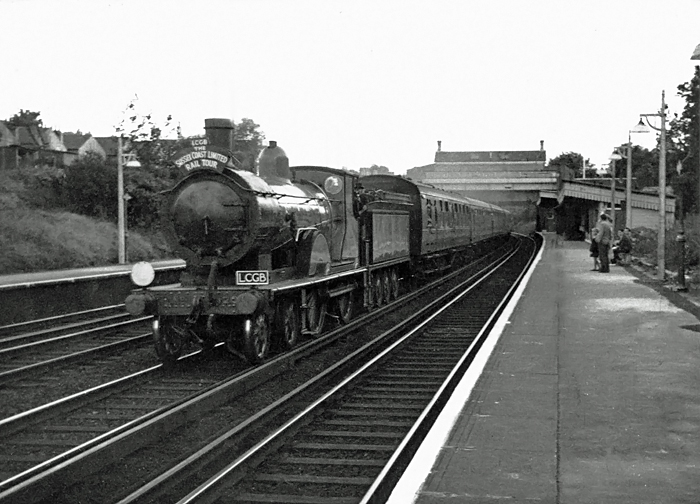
(272, 254)
(446, 228)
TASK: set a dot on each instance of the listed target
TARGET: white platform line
(413, 478)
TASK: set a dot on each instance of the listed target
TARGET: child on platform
(594, 250)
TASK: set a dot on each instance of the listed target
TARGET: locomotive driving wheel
(377, 290)
(386, 288)
(345, 307)
(315, 312)
(256, 337)
(169, 338)
(288, 324)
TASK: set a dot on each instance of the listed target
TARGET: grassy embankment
(36, 237)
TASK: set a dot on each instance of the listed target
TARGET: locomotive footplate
(217, 302)
(182, 300)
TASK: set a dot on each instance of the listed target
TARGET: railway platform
(53, 277)
(590, 395)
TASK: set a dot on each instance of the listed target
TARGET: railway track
(67, 468)
(40, 328)
(43, 437)
(352, 444)
(30, 348)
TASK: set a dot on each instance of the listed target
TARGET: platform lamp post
(660, 247)
(122, 198)
(639, 128)
(628, 182)
(614, 157)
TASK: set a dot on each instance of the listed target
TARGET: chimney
(439, 145)
(219, 132)
(541, 145)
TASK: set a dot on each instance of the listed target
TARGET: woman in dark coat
(594, 250)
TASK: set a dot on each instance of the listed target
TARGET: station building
(521, 182)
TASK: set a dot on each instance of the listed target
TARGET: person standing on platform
(604, 239)
(594, 249)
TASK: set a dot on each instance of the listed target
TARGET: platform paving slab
(592, 395)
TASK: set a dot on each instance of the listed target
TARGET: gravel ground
(63, 380)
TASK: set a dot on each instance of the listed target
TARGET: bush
(645, 244)
(90, 187)
(42, 187)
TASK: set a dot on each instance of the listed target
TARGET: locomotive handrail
(302, 230)
(276, 194)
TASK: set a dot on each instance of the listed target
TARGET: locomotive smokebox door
(209, 217)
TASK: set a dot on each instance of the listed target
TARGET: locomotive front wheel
(345, 307)
(169, 339)
(256, 338)
(315, 312)
(288, 325)
(394, 281)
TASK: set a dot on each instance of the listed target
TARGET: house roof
(74, 141)
(32, 137)
(29, 136)
(7, 137)
(109, 144)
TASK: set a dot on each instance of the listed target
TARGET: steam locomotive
(275, 254)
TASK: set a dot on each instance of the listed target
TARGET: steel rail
(63, 337)
(63, 470)
(20, 420)
(16, 372)
(43, 336)
(385, 481)
(57, 318)
(17, 422)
(242, 429)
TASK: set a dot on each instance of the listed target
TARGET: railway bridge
(521, 182)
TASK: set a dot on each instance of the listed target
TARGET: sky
(352, 83)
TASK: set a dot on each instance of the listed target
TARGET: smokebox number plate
(252, 277)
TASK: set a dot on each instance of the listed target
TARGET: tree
(247, 143)
(645, 167)
(570, 165)
(25, 118)
(374, 170)
(90, 187)
(685, 146)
